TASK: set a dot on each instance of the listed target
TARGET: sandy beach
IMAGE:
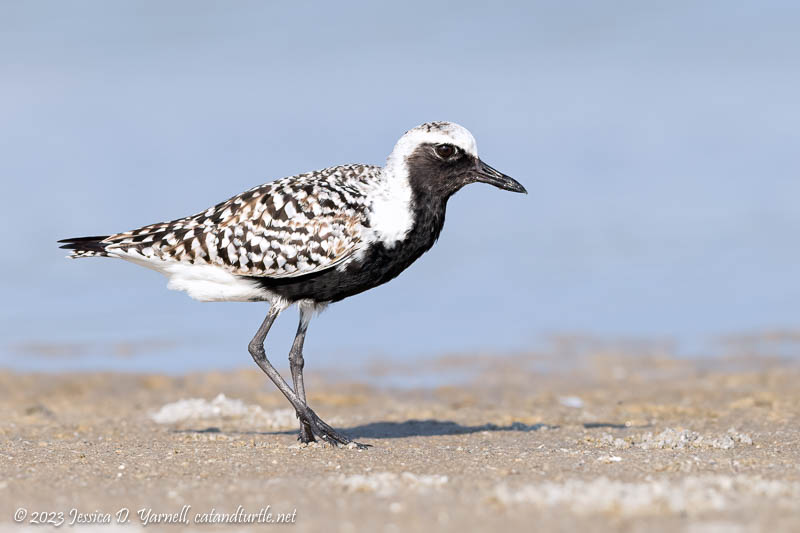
(607, 442)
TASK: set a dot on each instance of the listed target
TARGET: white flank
(206, 283)
(209, 283)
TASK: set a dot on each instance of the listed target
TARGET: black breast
(378, 265)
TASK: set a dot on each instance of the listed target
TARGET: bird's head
(442, 157)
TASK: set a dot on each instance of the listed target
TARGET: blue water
(659, 146)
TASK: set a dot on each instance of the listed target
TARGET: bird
(310, 240)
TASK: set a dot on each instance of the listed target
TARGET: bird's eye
(445, 151)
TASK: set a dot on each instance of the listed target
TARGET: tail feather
(86, 246)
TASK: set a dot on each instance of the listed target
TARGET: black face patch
(431, 175)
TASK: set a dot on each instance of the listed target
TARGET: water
(659, 146)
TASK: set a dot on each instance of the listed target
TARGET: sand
(603, 443)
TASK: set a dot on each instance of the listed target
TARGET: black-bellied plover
(310, 239)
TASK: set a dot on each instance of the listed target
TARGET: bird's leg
(296, 363)
(256, 349)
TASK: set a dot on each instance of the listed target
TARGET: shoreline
(609, 442)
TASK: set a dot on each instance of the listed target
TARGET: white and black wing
(291, 227)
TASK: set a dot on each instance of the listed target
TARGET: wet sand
(601, 443)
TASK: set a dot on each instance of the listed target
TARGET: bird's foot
(306, 435)
(321, 429)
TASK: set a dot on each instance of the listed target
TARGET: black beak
(487, 174)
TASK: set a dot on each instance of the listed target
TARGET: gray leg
(296, 363)
(304, 413)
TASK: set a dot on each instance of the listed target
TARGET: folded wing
(291, 227)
